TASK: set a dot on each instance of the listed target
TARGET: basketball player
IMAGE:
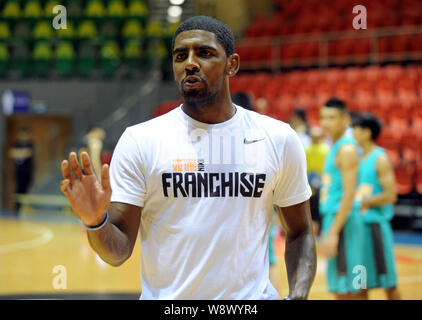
(204, 221)
(341, 224)
(376, 194)
(315, 157)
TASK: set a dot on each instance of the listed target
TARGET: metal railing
(323, 59)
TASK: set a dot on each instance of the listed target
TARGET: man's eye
(180, 56)
(205, 53)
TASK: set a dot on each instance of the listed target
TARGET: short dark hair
(300, 113)
(242, 99)
(335, 102)
(368, 121)
(222, 32)
(353, 116)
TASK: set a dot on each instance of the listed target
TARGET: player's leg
(369, 263)
(351, 249)
(393, 293)
(343, 296)
(389, 280)
(316, 217)
(362, 295)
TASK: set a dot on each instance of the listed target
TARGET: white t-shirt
(207, 192)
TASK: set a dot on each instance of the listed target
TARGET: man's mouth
(192, 81)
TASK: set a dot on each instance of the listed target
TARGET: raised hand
(88, 197)
(328, 246)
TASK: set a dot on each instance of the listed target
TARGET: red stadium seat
(400, 43)
(361, 46)
(405, 181)
(310, 50)
(415, 43)
(389, 138)
(394, 156)
(411, 145)
(417, 123)
(419, 177)
(290, 51)
(165, 107)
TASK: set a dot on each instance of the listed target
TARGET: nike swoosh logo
(251, 141)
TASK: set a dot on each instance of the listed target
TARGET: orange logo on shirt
(180, 165)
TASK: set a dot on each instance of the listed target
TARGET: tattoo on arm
(110, 243)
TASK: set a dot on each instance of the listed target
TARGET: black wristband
(102, 224)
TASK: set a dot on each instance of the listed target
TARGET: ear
(368, 133)
(347, 119)
(233, 65)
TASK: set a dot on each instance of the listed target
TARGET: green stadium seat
(22, 31)
(154, 30)
(108, 30)
(116, 9)
(132, 30)
(171, 29)
(41, 58)
(43, 30)
(4, 31)
(157, 50)
(74, 9)
(87, 30)
(20, 59)
(11, 10)
(32, 10)
(67, 34)
(95, 9)
(110, 58)
(86, 59)
(168, 34)
(48, 8)
(132, 56)
(138, 9)
(4, 59)
(65, 58)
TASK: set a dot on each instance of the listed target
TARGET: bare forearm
(380, 199)
(301, 264)
(346, 205)
(111, 244)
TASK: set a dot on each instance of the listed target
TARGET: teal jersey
(369, 185)
(332, 182)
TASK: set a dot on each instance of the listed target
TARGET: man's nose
(192, 66)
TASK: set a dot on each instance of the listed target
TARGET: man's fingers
(64, 187)
(66, 172)
(74, 165)
(105, 178)
(86, 163)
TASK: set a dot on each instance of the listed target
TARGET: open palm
(88, 197)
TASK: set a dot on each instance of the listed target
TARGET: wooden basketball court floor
(37, 255)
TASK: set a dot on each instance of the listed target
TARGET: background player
(315, 157)
(376, 194)
(341, 226)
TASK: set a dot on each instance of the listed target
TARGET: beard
(203, 96)
(198, 96)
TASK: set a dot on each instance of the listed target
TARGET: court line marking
(46, 236)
